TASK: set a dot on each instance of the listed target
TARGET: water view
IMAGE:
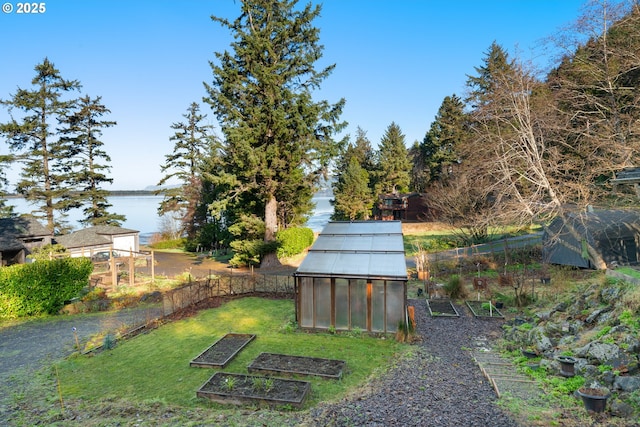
(142, 212)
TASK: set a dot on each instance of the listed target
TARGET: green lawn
(155, 366)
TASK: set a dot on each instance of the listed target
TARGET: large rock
(603, 353)
(628, 384)
(540, 340)
(610, 295)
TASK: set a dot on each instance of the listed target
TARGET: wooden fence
(225, 285)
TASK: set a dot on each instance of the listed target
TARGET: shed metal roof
(357, 249)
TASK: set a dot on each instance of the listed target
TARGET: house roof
(93, 236)
(12, 230)
(370, 249)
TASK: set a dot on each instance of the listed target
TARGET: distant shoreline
(110, 193)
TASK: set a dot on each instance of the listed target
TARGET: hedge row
(41, 287)
(292, 241)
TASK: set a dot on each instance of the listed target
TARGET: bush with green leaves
(294, 240)
(250, 252)
(41, 287)
(455, 288)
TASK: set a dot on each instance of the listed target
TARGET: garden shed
(354, 277)
(615, 234)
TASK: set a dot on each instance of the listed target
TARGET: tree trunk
(271, 219)
(271, 226)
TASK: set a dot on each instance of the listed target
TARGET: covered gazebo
(354, 277)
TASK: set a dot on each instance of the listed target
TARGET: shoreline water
(140, 209)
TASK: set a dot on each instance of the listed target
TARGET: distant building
(18, 236)
(102, 238)
(401, 207)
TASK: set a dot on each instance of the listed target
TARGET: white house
(101, 238)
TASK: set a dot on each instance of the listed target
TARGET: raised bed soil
(240, 389)
(441, 308)
(221, 352)
(282, 364)
(481, 309)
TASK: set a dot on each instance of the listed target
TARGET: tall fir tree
(349, 180)
(86, 170)
(353, 197)
(438, 149)
(32, 137)
(394, 164)
(193, 143)
(278, 138)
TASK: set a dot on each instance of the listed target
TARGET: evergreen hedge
(294, 240)
(41, 287)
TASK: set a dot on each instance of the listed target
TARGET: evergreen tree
(32, 137)
(394, 164)
(349, 180)
(88, 162)
(194, 142)
(439, 146)
(278, 138)
(482, 85)
(6, 210)
(353, 198)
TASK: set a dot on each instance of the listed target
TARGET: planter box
(442, 308)
(221, 352)
(282, 364)
(478, 311)
(239, 389)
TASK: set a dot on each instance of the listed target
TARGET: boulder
(540, 340)
(628, 384)
(602, 353)
(596, 313)
(610, 294)
(621, 409)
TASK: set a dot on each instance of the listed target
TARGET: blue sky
(395, 60)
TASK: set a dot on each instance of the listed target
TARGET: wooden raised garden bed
(240, 389)
(222, 351)
(483, 309)
(442, 308)
(282, 364)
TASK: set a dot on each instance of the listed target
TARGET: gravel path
(440, 386)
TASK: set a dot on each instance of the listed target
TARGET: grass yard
(155, 366)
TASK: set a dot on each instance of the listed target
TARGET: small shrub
(455, 288)
(268, 384)
(289, 327)
(109, 342)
